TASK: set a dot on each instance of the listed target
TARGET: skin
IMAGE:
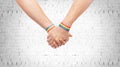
(33, 10)
(56, 40)
(77, 8)
(57, 36)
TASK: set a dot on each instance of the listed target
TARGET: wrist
(67, 22)
(64, 26)
(50, 27)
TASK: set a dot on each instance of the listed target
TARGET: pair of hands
(58, 37)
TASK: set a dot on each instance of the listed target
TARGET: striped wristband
(49, 28)
(65, 27)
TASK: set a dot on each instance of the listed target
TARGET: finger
(58, 42)
(63, 41)
(69, 35)
(66, 40)
(48, 37)
(54, 45)
(50, 42)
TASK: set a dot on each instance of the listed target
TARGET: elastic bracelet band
(49, 27)
(65, 27)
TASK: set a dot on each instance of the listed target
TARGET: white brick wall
(95, 41)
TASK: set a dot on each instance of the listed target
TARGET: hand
(57, 37)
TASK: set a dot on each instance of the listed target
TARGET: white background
(95, 41)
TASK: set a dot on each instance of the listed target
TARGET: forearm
(34, 11)
(77, 8)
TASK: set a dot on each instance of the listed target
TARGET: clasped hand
(57, 37)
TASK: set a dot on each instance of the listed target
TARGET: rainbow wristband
(65, 27)
(49, 27)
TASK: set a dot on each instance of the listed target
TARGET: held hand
(57, 37)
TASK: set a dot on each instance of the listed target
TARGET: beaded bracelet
(49, 28)
(65, 27)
